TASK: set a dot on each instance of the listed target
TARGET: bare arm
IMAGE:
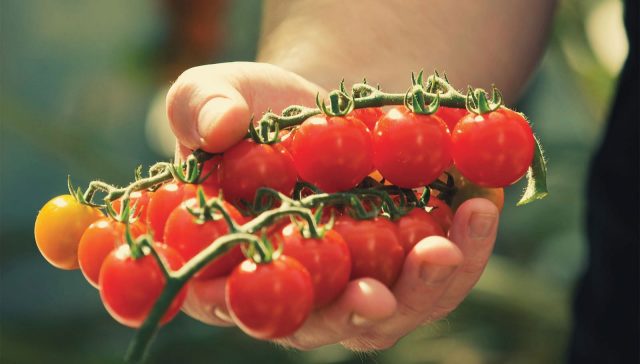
(476, 42)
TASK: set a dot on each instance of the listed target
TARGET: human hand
(209, 107)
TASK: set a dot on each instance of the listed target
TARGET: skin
(209, 107)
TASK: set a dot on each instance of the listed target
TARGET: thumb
(209, 107)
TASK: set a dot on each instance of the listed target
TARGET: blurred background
(77, 81)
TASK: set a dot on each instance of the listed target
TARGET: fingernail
(358, 320)
(222, 314)
(480, 224)
(210, 113)
(435, 274)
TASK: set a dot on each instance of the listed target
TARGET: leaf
(536, 177)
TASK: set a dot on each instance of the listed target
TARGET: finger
(474, 230)
(209, 107)
(363, 303)
(425, 276)
(205, 302)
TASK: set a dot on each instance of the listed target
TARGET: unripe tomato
(130, 287)
(411, 150)
(332, 152)
(493, 149)
(466, 190)
(248, 166)
(98, 240)
(58, 228)
(270, 300)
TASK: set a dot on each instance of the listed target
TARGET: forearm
(475, 42)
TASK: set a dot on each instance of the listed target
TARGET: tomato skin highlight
(494, 149)
(59, 227)
(376, 250)
(98, 240)
(189, 237)
(451, 115)
(130, 287)
(248, 166)
(270, 300)
(333, 153)
(327, 259)
(166, 199)
(411, 150)
(415, 226)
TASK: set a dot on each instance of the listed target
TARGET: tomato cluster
(289, 220)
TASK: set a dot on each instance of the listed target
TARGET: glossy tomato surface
(441, 212)
(130, 287)
(333, 153)
(328, 260)
(376, 250)
(451, 115)
(411, 150)
(98, 240)
(248, 166)
(189, 236)
(138, 202)
(368, 115)
(270, 300)
(59, 227)
(415, 226)
(493, 149)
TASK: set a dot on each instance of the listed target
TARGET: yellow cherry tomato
(59, 226)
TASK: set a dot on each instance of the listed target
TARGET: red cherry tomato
(375, 248)
(411, 150)
(130, 287)
(451, 115)
(286, 137)
(368, 115)
(99, 240)
(138, 200)
(270, 300)
(209, 173)
(493, 149)
(166, 199)
(415, 226)
(188, 236)
(248, 166)
(333, 153)
(441, 212)
(59, 227)
(327, 259)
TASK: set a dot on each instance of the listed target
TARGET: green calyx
(340, 103)
(478, 103)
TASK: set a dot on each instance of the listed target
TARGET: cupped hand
(209, 107)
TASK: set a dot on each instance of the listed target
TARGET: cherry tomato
(248, 166)
(58, 228)
(98, 240)
(166, 199)
(493, 149)
(333, 153)
(209, 173)
(375, 248)
(368, 115)
(188, 236)
(415, 226)
(286, 137)
(327, 259)
(451, 115)
(130, 287)
(138, 200)
(270, 300)
(411, 150)
(441, 212)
